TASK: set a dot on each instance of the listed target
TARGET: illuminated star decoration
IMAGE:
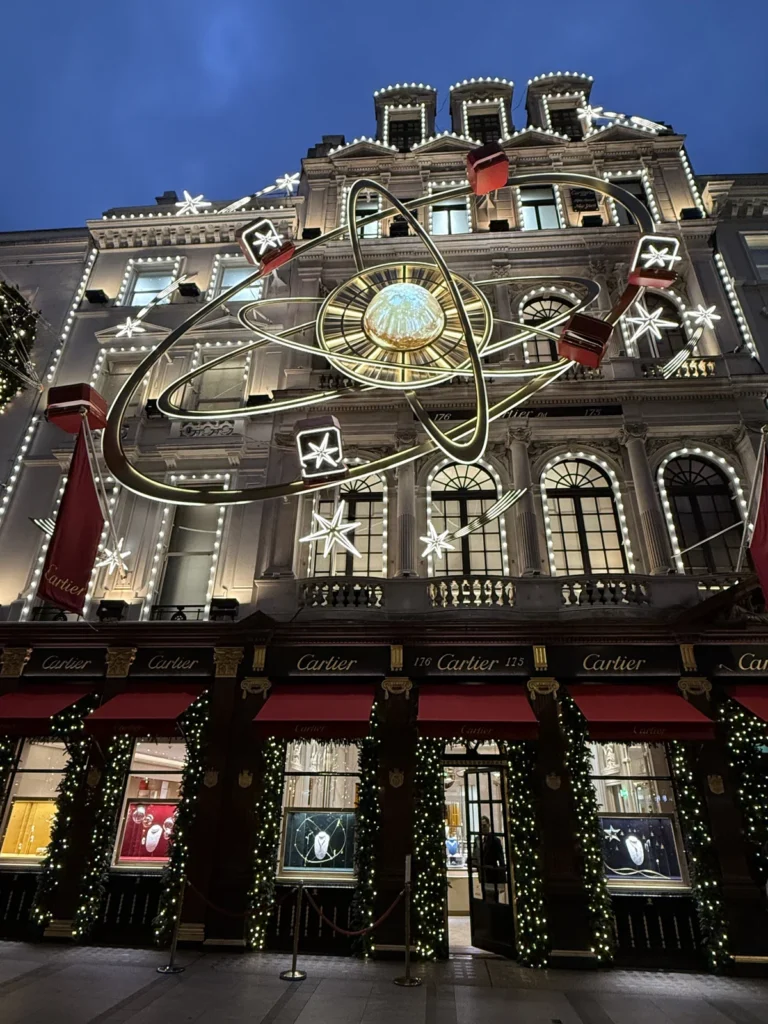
(321, 453)
(113, 558)
(288, 182)
(649, 322)
(436, 542)
(611, 833)
(659, 257)
(268, 239)
(129, 328)
(591, 114)
(703, 316)
(191, 204)
(333, 531)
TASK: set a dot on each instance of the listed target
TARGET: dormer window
(404, 133)
(636, 188)
(366, 208)
(538, 208)
(566, 121)
(484, 127)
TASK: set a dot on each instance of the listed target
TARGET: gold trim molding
(119, 661)
(255, 684)
(397, 685)
(227, 661)
(543, 686)
(695, 686)
(13, 660)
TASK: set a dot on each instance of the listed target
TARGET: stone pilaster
(652, 522)
(407, 564)
(524, 511)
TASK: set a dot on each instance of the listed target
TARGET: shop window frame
(6, 796)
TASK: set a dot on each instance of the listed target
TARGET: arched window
(702, 503)
(657, 327)
(365, 502)
(583, 519)
(458, 495)
(539, 310)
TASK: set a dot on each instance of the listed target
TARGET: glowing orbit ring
(450, 440)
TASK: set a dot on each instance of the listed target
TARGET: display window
(30, 800)
(320, 796)
(150, 804)
(642, 842)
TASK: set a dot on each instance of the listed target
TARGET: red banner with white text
(758, 546)
(75, 541)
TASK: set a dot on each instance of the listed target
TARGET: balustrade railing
(342, 593)
(604, 590)
(472, 592)
(691, 369)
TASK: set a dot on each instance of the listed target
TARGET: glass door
(490, 883)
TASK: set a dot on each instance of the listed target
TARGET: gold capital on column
(13, 660)
(119, 661)
(227, 661)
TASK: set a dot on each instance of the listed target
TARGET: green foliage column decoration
(532, 938)
(747, 747)
(194, 728)
(429, 891)
(268, 813)
(68, 727)
(8, 745)
(578, 763)
(367, 829)
(18, 324)
(96, 871)
(702, 859)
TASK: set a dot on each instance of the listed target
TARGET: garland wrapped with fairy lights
(431, 941)
(68, 727)
(96, 872)
(532, 938)
(8, 745)
(702, 858)
(194, 728)
(747, 746)
(18, 324)
(578, 763)
(268, 810)
(367, 828)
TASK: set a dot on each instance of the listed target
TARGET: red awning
(339, 711)
(641, 713)
(753, 698)
(483, 711)
(143, 712)
(28, 712)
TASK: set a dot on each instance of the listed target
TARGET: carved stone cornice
(119, 661)
(227, 660)
(13, 660)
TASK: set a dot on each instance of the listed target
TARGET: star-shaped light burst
(113, 558)
(649, 322)
(129, 328)
(333, 531)
(321, 453)
(611, 833)
(703, 316)
(661, 256)
(266, 240)
(191, 204)
(288, 182)
(436, 542)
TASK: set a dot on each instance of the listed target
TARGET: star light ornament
(320, 449)
(590, 114)
(649, 322)
(191, 204)
(129, 328)
(288, 183)
(659, 256)
(436, 542)
(114, 558)
(333, 531)
(611, 833)
(322, 453)
(703, 316)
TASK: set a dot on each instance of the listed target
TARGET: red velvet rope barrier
(362, 931)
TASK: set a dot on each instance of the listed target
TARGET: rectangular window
(114, 375)
(320, 795)
(758, 253)
(146, 285)
(450, 218)
(566, 121)
(365, 209)
(539, 208)
(151, 797)
(223, 386)
(233, 273)
(30, 800)
(637, 189)
(404, 134)
(640, 832)
(484, 127)
(188, 561)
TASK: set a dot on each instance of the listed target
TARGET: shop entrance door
(490, 885)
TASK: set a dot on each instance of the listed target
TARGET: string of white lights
(645, 178)
(134, 265)
(735, 304)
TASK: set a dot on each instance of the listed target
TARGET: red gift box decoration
(276, 257)
(487, 168)
(653, 277)
(584, 339)
(66, 404)
(264, 246)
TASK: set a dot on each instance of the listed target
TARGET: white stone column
(652, 522)
(407, 563)
(280, 516)
(524, 510)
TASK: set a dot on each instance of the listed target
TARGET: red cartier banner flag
(758, 546)
(75, 541)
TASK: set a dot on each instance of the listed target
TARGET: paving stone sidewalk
(44, 984)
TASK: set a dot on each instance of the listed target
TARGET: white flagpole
(754, 493)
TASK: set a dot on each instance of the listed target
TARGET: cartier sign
(460, 662)
(319, 661)
(612, 662)
(747, 660)
(66, 663)
(173, 661)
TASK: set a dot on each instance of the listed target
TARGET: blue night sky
(109, 104)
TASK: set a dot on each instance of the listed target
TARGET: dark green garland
(261, 898)
(747, 734)
(18, 324)
(104, 834)
(429, 870)
(588, 836)
(532, 938)
(8, 748)
(702, 859)
(194, 728)
(68, 727)
(367, 828)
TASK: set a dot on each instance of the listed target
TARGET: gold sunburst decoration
(400, 319)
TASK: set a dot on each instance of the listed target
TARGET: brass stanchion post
(293, 974)
(407, 981)
(170, 967)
